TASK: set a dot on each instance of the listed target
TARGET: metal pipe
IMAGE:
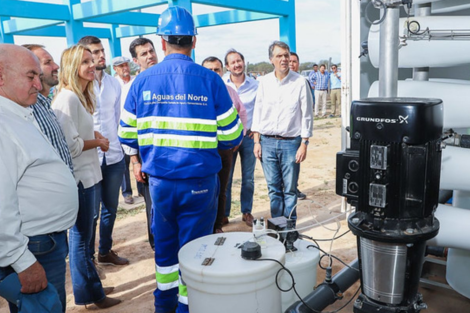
(422, 9)
(326, 294)
(388, 63)
(421, 73)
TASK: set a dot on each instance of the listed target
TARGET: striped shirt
(319, 80)
(50, 127)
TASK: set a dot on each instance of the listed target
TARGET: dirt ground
(135, 283)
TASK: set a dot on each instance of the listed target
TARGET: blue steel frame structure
(27, 18)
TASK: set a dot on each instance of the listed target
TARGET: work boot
(111, 258)
(129, 199)
(248, 219)
(301, 195)
(107, 302)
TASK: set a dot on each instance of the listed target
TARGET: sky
(317, 27)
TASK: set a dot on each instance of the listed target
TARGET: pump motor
(391, 176)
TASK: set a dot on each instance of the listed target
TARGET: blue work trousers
(248, 163)
(183, 210)
(50, 251)
(281, 173)
(109, 187)
(86, 283)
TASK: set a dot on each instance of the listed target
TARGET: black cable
(408, 24)
(383, 16)
(283, 268)
(333, 256)
(315, 240)
(309, 238)
(320, 261)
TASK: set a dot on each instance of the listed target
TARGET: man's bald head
(19, 74)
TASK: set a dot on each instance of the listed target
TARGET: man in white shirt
(38, 198)
(246, 88)
(144, 55)
(282, 123)
(106, 120)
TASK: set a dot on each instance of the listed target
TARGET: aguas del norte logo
(400, 120)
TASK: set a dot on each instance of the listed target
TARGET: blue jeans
(50, 251)
(126, 187)
(282, 174)
(112, 179)
(86, 283)
(183, 210)
(248, 163)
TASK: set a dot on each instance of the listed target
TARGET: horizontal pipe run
(326, 294)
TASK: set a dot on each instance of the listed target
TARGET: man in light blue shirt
(335, 95)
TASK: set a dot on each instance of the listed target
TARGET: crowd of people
(181, 125)
(323, 83)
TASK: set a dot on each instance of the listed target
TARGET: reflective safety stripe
(227, 118)
(230, 134)
(169, 140)
(188, 124)
(183, 300)
(183, 292)
(168, 286)
(167, 277)
(128, 118)
(127, 132)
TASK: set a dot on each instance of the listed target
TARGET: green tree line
(261, 67)
(265, 67)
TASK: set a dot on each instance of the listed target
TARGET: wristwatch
(305, 142)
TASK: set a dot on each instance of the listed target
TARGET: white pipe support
(454, 231)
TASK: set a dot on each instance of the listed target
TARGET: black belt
(335, 88)
(279, 137)
(321, 89)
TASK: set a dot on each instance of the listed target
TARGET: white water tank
(228, 283)
(303, 265)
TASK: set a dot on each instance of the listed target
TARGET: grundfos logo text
(400, 119)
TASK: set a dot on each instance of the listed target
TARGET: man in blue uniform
(177, 114)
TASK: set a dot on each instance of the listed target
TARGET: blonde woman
(74, 105)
